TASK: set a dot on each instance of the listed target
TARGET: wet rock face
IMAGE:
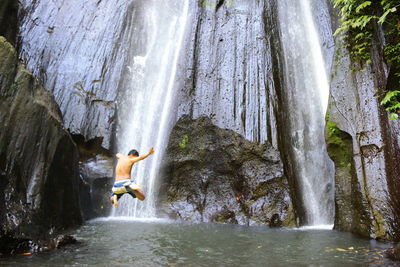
(228, 68)
(8, 20)
(371, 185)
(77, 49)
(215, 175)
(38, 159)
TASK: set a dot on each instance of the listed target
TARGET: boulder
(39, 175)
(216, 175)
(394, 253)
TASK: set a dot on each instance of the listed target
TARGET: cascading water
(307, 89)
(147, 100)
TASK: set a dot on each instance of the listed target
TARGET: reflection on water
(111, 242)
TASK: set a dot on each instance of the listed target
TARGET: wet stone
(215, 175)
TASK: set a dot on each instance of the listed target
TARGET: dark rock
(215, 175)
(19, 246)
(97, 174)
(55, 243)
(394, 253)
(39, 185)
(9, 20)
(86, 200)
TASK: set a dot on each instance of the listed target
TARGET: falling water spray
(307, 91)
(146, 102)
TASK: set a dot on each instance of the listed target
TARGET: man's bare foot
(114, 200)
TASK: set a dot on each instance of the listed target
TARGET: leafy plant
(184, 141)
(358, 18)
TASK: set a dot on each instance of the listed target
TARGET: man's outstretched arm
(144, 155)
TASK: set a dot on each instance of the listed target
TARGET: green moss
(183, 143)
(4, 44)
(8, 65)
(379, 225)
(339, 145)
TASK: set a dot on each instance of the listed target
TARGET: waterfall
(146, 102)
(307, 91)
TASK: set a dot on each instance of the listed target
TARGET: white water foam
(131, 219)
(317, 227)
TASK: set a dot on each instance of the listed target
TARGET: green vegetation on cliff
(339, 144)
(359, 19)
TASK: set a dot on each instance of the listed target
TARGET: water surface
(108, 242)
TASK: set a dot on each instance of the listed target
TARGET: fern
(358, 18)
(362, 6)
(389, 97)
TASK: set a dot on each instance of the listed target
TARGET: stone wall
(39, 179)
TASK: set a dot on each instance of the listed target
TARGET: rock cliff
(77, 49)
(364, 144)
(38, 160)
(232, 72)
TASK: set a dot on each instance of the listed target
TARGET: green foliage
(339, 144)
(183, 143)
(358, 19)
(332, 133)
(392, 104)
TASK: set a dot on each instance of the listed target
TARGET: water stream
(145, 105)
(307, 89)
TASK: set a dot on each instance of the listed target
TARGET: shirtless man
(123, 183)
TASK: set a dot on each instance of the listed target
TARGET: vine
(357, 25)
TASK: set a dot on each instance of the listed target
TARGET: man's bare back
(125, 163)
(123, 168)
(123, 172)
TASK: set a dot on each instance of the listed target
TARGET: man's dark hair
(134, 153)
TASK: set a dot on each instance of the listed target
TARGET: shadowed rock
(38, 160)
(394, 253)
(8, 20)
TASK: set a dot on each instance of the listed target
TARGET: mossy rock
(8, 64)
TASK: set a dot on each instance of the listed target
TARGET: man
(123, 183)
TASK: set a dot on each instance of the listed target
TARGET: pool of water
(111, 242)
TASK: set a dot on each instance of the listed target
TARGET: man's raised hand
(151, 150)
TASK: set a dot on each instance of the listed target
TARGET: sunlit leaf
(362, 6)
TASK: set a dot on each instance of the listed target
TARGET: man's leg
(114, 199)
(132, 189)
